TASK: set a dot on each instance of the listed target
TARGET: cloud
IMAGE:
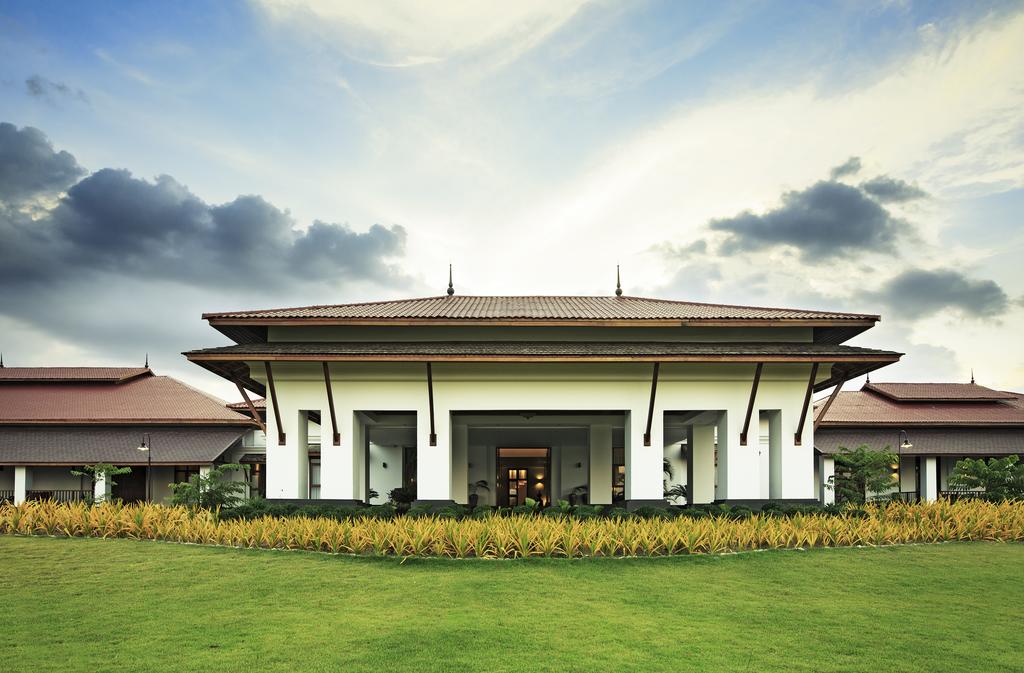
(918, 293)
(116, 264)
(892, 190)
(824, 221)
(849, 167)
(30, 168)
(38, 86)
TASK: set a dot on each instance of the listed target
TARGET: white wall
(464, 387)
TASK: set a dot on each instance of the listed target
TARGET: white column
(288, 465)
(460, 464)
(644, 469)
(101, 488)
(600, 488)
(702, 490)
(776, 475)
(342, 471)
(929, 478)
(827, 469)
(434, 463)
(22, 483)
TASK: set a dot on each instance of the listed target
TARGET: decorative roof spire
(1, 360)
(867, 379)
(618, 282)
(451, 288)
(972, 374)
(147, 361)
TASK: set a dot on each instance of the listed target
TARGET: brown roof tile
(71, 374)
(938, 441)
(935, 392)
(85, 445)
(567, 308)
(865, 407)
(146, 399)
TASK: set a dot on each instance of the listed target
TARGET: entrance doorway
(523, 473)
(130, 487)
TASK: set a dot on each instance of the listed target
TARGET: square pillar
(341, 467)
(599, 490)
(644, 466)
(101, 488)
(434, 463)
(22, 483)
(288, 465)
(460, 464)
(701, 488)
(827, 469)
(929, 478)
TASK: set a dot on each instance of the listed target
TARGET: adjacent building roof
(72, 374)
(938, 392)
(51, 399)
(920, 406)
(86, 445)
(941, 441)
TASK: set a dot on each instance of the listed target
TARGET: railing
(961, 495)
(906, 496)
(59, 494)
(7, 495)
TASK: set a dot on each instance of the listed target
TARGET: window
(182, 473)
(314, 478)
(257, 480)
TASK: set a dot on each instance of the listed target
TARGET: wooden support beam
(252, 407)
(798, 435)
(750, 403)
(330, 403)
(273, 400)
(828, 403)
(650, 408)
(430, 401)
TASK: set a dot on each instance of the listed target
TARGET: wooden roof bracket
(798, 435)
(650, 409)
(252, 408)
(273, 399)
(750, 403)
(828, 403)
(430, 402)
(330, 403)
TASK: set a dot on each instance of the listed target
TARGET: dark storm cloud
(118, 265)
(828, 219)
(849, 167)
(891, 190)
(918, 293)
(113, 222)
(38, 86)
(30, 168)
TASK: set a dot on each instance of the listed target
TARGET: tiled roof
(931, 392)
(864, 407)
(146, 399)
(260, 403)
(557, 308)
(926, 441)
(69, 374)
(540, 349)
(86, 445)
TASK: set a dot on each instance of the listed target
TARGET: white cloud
(405, 33)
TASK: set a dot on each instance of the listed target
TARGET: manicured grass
(105, 605)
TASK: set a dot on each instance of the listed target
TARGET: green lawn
(106, 605)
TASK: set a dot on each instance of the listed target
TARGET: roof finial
(867, 379)
(1, 360)
(618, 282)
(972, 373)
(451, 288)
(147, 361)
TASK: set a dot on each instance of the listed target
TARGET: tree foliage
(861, 472)
(101, 471)
(211, 490)
(1001, 478)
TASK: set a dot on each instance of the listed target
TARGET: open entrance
(524, 473)
(389, 457)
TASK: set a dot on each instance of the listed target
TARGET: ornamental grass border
(527, 536)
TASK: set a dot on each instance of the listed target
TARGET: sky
(159, 160)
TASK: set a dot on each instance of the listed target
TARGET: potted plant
(578, 496)
(474, 498)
